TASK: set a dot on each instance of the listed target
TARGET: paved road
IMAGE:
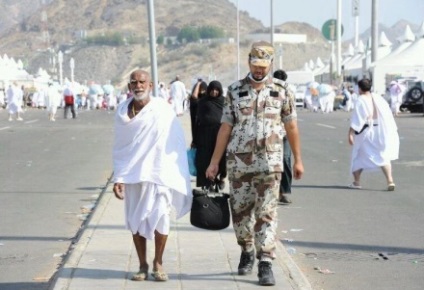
(49, 170)
(370, 238)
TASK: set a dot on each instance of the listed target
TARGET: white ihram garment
(178, 94)
(378, 144)
(14, 99)
(53, 100)
(149, 157)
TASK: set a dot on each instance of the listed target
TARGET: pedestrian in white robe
(178, 95)
(163, 91)
(326, 98)
(396, 97)
(150, 169)
(14, 101)
(2, 99)
(313, 90)
(52, 101)
(373, 134)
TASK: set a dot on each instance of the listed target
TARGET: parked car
(413, 97)
(300, 95)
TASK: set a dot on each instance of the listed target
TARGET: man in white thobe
(150, 170)
(373, 134)
(396, 97)
(14, 101)
(178, 95)
(53, 99)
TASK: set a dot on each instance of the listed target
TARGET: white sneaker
(10, 119)
(19, 119)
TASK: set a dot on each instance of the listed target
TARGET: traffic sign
(355, 8)
(329, 29)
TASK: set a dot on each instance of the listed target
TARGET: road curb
(63, 276)
(296, 276)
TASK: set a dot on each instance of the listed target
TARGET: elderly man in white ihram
(150, 170)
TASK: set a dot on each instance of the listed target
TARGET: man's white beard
(141, 97)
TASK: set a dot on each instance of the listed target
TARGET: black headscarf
(214, 85)
(202, 88)
(209, 109)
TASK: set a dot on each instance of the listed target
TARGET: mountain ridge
(64, 23)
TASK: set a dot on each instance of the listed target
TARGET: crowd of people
(248, 138)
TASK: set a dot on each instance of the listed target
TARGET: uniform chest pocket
(245, 107)
(273, 106)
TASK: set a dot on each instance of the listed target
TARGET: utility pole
(339, 38)
(272, 22)
(355, 14)
(152, 41)
(72, 66)
(60, 62)
(374, 30)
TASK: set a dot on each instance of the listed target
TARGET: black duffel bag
(210, 211)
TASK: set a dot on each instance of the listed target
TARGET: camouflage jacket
(257, 120)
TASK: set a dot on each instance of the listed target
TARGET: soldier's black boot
(247, 260)
(265, 275)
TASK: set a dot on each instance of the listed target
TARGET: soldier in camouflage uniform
(257, 110)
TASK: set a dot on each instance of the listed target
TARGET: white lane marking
(326, 126)
(4, 128)
(32, 121)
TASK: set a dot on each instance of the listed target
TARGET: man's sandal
(160, 276)
(141, 275)
(354, 186)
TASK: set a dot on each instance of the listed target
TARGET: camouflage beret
(261, 53)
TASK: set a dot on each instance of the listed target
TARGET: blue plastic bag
(191, 156)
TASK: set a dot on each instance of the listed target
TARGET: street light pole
(60, 62)
(72, 66)
(272, 22)
(339, 38)
(152, 36)
(374, 31)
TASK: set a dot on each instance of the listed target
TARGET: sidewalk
(104, 257)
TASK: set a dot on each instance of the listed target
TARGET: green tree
(189, 33)
(160, 40)
(207, 32)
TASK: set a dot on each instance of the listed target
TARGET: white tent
(306, 67)
(355, 67)
(406, 40)
(407, 63)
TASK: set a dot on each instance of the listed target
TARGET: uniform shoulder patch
(279, 83)
(235, 85)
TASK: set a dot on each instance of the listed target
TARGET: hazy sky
(316, 12)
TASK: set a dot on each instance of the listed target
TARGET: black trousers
(66, 110)
(286, 176)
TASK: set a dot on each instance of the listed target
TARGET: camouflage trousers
(254, 200)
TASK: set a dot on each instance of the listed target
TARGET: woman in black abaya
(208, 122)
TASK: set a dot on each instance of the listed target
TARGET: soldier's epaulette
(235, 85)
(280, 83)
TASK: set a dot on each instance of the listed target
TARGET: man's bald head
(138, 73)
(140, 84)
